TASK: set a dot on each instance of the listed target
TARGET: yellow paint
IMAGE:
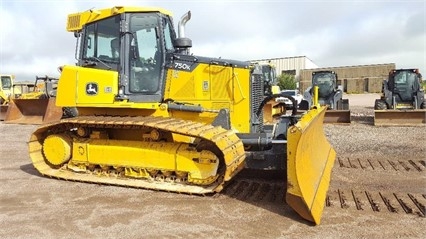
(310, 159)
(57, 149)
(147, 155)
(76, 21)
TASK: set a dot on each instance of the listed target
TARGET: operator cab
(133, 44)
(404, 83)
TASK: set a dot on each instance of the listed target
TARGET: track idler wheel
(57, 149)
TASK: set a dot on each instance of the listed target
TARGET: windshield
(6, 82)
(405, 77)
(292, 93)
(269, 74)
(102, 39)
(325, 82)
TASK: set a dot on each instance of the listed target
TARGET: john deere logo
(92, 89)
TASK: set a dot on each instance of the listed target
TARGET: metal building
(289, 65)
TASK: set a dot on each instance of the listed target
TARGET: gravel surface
(32, 206)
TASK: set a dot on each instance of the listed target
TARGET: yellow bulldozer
(152, 115)
(37, 105)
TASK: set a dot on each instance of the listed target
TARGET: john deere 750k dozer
(152, 115)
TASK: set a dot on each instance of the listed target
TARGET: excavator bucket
(337, 117)
(310, 159)
(400, 117)
(3, 110)
(32, 111)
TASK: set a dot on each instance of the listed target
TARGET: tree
(287, 82)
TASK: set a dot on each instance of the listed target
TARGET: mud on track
(32, 206)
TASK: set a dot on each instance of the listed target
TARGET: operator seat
(115, 48)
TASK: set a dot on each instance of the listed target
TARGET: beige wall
(355, 79)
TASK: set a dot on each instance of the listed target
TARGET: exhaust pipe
(181, 25)
(183, 43)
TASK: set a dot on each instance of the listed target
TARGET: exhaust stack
(183, 43)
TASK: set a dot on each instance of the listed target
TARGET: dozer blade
(337, 117)
(310, 159)
(399, 117)
(3, 110)
(32, 111)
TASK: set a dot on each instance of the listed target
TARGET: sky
(331, 33)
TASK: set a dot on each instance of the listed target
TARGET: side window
(89, 42)
(102, 40)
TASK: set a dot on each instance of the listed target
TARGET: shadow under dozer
(32, 111)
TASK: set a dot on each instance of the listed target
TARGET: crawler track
(411, 165)
(225, 140)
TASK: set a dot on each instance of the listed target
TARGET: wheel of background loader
(304, 105)
(70, 112)
(380, 105)
(423, 105)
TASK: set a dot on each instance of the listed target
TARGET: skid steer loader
(38, 106)
(403, 100)
(5, 93)
(330, 95)
(152, 115)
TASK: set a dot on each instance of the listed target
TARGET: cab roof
(76, 21)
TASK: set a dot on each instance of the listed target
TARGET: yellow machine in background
(38, 105)
(6, 83)
(152, 115)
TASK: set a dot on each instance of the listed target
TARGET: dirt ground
(375, 165)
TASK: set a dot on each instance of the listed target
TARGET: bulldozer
(330, 95)
(37, 106)
(5, 93)
(402, 102)
(152, 115)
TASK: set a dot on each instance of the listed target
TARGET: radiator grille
(256, 100)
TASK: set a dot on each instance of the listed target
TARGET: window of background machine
(6, 82)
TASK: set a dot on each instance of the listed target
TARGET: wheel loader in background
(5, 93)
(154, 116)
(37, 106)
(273, 105)
(330, 95)
(271, 109)
(403, 100)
